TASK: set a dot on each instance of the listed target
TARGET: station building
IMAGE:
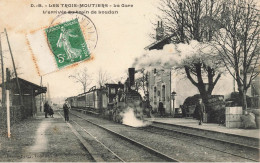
(159, 80)
(172, 89)
(29, 105)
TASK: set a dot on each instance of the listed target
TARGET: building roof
(26, 87)
(160, 43)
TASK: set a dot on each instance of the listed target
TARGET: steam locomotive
(112, 100)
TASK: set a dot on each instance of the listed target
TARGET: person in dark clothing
(200, 107)
(66, 108)
(51, 112)
(46, 109)
(160, 108)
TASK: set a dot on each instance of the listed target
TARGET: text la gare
(123, 5)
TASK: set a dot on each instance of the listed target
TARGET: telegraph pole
(17, 82)
(8, 114)
(171, 93)
(8, 86)
(3, 76)
(41, 97)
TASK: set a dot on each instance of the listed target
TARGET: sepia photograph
(129, 81)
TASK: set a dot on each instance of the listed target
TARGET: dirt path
(40, 143)
(40, 139)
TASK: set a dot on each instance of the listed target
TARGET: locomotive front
(127, 100)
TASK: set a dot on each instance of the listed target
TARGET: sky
(121, 38)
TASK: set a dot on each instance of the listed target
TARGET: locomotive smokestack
(131, 74)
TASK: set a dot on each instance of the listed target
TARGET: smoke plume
(130, 119)
(173, 55)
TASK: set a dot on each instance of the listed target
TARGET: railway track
(155, 155)
(238, 153)
(233, 148)
(225, 137)
(102, 144)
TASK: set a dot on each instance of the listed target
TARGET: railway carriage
(81, 101)
(72, 101)
(91, 99)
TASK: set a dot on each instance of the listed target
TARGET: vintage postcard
(129, 80)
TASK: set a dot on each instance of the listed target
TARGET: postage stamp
(67, 43)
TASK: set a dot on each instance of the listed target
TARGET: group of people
(199, 110)
(48, 110)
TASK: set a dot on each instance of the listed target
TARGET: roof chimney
(159, 31)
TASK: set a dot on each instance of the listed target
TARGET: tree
(238, 43)
(142, 82)
(202, 67)
(188, 20)
(103, 78)
(83, 78)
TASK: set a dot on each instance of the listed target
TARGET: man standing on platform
(200, 107)
(66, 108)
(46, 109)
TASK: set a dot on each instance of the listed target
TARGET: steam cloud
(173, 55)
(130, 119)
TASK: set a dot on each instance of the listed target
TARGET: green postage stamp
(67, 43)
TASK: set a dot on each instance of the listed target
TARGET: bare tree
(142, 82)
(188, 20)
(203, 71)
(238, 43)
(103, 78)
(83, 78)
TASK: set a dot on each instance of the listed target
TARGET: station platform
(193, 123)
(40, 139)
